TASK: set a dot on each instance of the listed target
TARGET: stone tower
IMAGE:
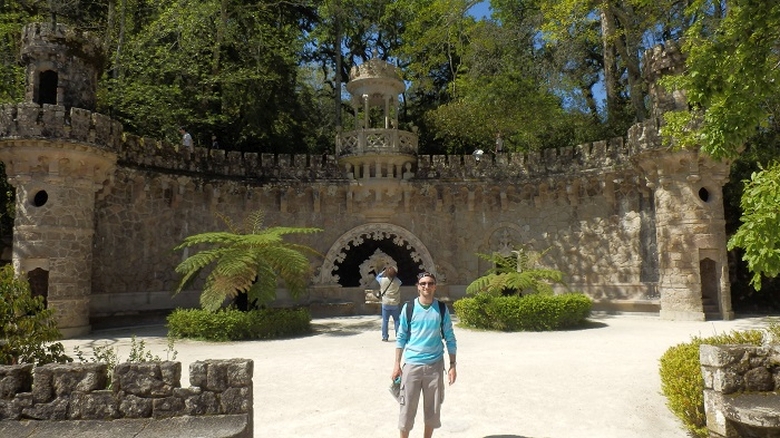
(688, 190)
(58, 154)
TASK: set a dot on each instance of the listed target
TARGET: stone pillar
(690, 233)
(54, 223)
(58, 154)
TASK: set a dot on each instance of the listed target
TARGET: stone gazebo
(376, 148)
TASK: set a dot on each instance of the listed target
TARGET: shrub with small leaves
(109, 355)
(535, 312)
(681, 380)
(29, 330)
(234, 325)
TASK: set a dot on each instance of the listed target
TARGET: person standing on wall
(499, 144)
(186, 138)
(425, 327)
(390, 293)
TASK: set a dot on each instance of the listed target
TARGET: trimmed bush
(681, 380)
(535, 312)
(235, 325)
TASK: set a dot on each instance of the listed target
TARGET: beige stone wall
(594, 238)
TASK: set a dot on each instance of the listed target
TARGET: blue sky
(481, 10)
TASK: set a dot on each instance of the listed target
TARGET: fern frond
(228, 222)
(253, 222)
(211, 299)
(264, 288)
(219, 237)
(191, 266)
(235, 272)
(293, 230)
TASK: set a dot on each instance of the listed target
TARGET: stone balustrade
(741, 384)
(60, 398)
(376, 141)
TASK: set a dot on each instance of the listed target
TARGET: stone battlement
(139, 390)
(30, 121)
(150, 153)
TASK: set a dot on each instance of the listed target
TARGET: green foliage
(109, 355)
(28, 328)
(247, 262)
(218, 67)
(234, 325)
(682, 382)
(759, 234)
(529, 313)
(515, 273)
(731, 77)
(11, 73)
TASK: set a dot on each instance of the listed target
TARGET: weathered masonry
(634, 225)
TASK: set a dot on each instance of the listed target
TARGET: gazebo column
(387, 111)
(365, 112)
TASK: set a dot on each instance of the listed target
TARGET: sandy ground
(597, 382)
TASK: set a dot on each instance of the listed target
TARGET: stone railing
(376, 141)
(33, 121)
(741, 384)
(144, 396)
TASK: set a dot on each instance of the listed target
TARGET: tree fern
(249, 261)
(515, 272)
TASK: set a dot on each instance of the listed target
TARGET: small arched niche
(48, 81)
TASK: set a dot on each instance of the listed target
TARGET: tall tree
(624, 29)
(224, 67)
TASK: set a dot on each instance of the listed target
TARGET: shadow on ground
(507, 436)
(342, 328)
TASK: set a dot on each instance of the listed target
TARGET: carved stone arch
(338, 252)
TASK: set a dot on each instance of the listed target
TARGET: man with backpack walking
(390, 294)
(425, 327)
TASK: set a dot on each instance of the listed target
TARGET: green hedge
(536, 312)
(681, 380)
(235, 325)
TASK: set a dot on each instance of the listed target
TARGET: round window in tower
(704, 194)
(40, 198)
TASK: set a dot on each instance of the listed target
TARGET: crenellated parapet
(160, 156)
(602, 156)
(30, 121)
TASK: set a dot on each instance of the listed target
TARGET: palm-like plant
(515, 273)
(249, 262)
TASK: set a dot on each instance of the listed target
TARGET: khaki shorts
(425, 379)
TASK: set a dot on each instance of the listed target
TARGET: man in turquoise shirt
(420, 343)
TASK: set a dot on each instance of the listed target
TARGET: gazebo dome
(375, 78)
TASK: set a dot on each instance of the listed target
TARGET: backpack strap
(410, 311)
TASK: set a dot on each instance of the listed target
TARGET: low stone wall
(65, 398)
(741, 384)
